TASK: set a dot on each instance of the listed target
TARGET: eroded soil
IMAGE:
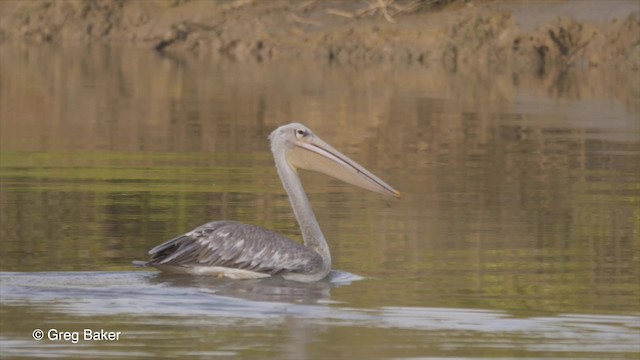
(453, 33)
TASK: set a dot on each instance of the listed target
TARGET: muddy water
(518, 233)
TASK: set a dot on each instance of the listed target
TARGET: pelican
(241, 251)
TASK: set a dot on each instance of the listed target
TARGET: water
(518, 233)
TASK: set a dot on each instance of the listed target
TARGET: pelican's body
(241, 251)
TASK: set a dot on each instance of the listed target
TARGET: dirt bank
(452, 33)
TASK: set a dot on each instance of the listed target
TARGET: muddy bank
(574, 33)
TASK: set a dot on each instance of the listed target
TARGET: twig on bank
(306, 5)
(340, 13)
(295, 17)
(387, 8)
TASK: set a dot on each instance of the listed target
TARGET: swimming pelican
(240, 251)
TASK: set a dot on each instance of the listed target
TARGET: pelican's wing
(239, 246)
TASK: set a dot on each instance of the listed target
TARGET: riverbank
(526, 33)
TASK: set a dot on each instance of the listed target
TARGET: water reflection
(149, 301)
(270, 289)
(519, 199)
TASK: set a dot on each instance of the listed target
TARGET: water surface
(518, 234)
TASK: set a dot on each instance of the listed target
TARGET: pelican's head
(302, 149)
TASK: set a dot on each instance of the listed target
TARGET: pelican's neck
(311, 233)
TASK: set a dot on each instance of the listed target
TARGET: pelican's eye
(300, 133)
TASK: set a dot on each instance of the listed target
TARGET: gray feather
(236, 245)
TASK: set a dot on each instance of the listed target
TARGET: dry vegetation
(452, 33)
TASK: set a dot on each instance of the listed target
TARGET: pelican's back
(234, 250)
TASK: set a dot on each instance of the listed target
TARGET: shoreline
(516, 34)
